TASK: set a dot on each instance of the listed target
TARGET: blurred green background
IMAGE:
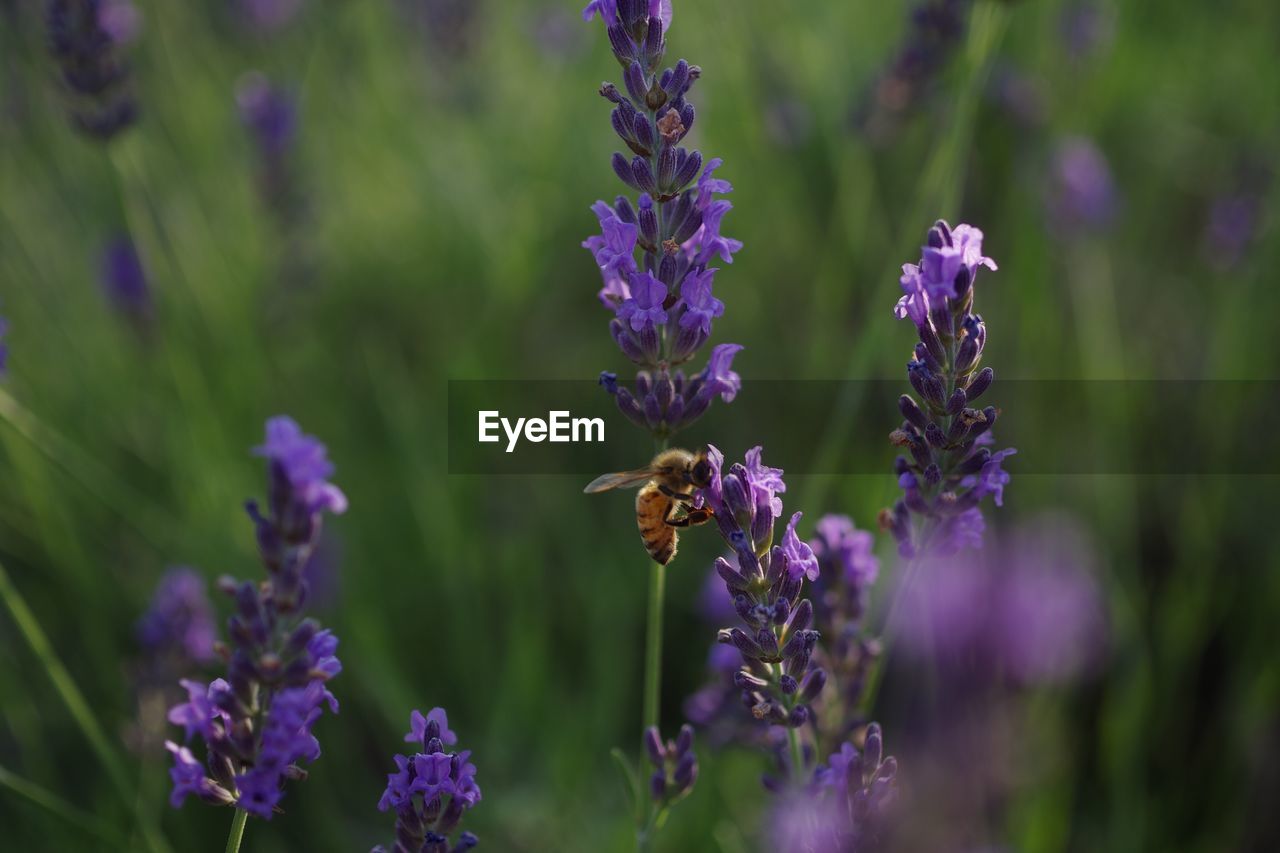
(447, 153)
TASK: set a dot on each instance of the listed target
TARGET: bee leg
(674, 495)
(691, 518)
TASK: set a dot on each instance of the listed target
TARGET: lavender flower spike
(948, 466)
(662, 301)
(431, 789)
(675, 770)
(257, 722)
(847, 569)
(778, 678)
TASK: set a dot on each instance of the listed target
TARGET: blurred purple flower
(1029, 605)
(846, 807)
(1021, 95)
(715, 604)
(269, 113)
(935, 31)
(845, 552)
(1086, 29)
(1082, 194)
(120, 20)
(323, 573)
(83, 36)
(1233, 224)
(268, 16)
(123, 279)
(180, 619)
(801, 822)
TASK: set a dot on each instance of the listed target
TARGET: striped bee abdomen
(652, 507)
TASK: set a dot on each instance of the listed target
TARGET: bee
(665, 501)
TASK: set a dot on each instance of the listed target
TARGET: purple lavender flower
(84, 37)
(190, 779)
(123, 279)
(1082, 195)
(861, 782)
(257, 723)
(300, 493)
(847, 556)
(663, 302)
(431, 789)
(948, 468)
(847, 567)
(675, 768)
(643, 310)
(614, 251)
(180, 620)
(775, 639)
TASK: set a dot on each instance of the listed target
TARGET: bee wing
(619, 480)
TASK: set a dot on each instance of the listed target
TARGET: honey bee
(665, 501)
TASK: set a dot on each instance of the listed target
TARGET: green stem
(76, 704)
(653, 646)
(886, 637)
(237, 831)
(797, 756)
(60, 807)
(62, 681)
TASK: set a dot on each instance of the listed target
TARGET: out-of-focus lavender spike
(85, 38)
(934, 33)
(123, 279)
(1082, 192)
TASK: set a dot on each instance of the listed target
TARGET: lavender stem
(798, 775)
(653, 646)
(237, 831)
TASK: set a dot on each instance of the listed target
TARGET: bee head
(700, 473)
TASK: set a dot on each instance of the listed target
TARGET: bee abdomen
(659, 537)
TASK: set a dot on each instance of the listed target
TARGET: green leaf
(630, 781)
